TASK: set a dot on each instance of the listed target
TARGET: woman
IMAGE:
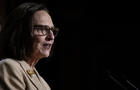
(26, 37)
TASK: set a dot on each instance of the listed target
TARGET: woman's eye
(44, 31)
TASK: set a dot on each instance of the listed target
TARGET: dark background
(94, 38)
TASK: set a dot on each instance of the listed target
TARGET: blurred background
(97, 47)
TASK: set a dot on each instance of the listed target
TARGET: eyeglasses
(43, 30)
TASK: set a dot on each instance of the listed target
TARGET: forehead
(42, 18)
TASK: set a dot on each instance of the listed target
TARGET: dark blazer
(15, 75)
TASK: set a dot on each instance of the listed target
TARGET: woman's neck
(32, 61)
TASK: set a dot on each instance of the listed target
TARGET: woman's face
(42, 42)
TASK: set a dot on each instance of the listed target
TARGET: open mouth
(47, 46)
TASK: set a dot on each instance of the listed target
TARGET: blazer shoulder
(10, 67)
(11, 75)
(9, 63)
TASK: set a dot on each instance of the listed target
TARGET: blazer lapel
(26, 67)
(37, 75)
(45, 84)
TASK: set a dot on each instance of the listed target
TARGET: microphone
(121, 81)
(132, 85)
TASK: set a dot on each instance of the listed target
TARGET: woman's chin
(45, 55)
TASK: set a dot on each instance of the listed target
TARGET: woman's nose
(50, 36)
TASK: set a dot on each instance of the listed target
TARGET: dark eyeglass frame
(46, 28)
